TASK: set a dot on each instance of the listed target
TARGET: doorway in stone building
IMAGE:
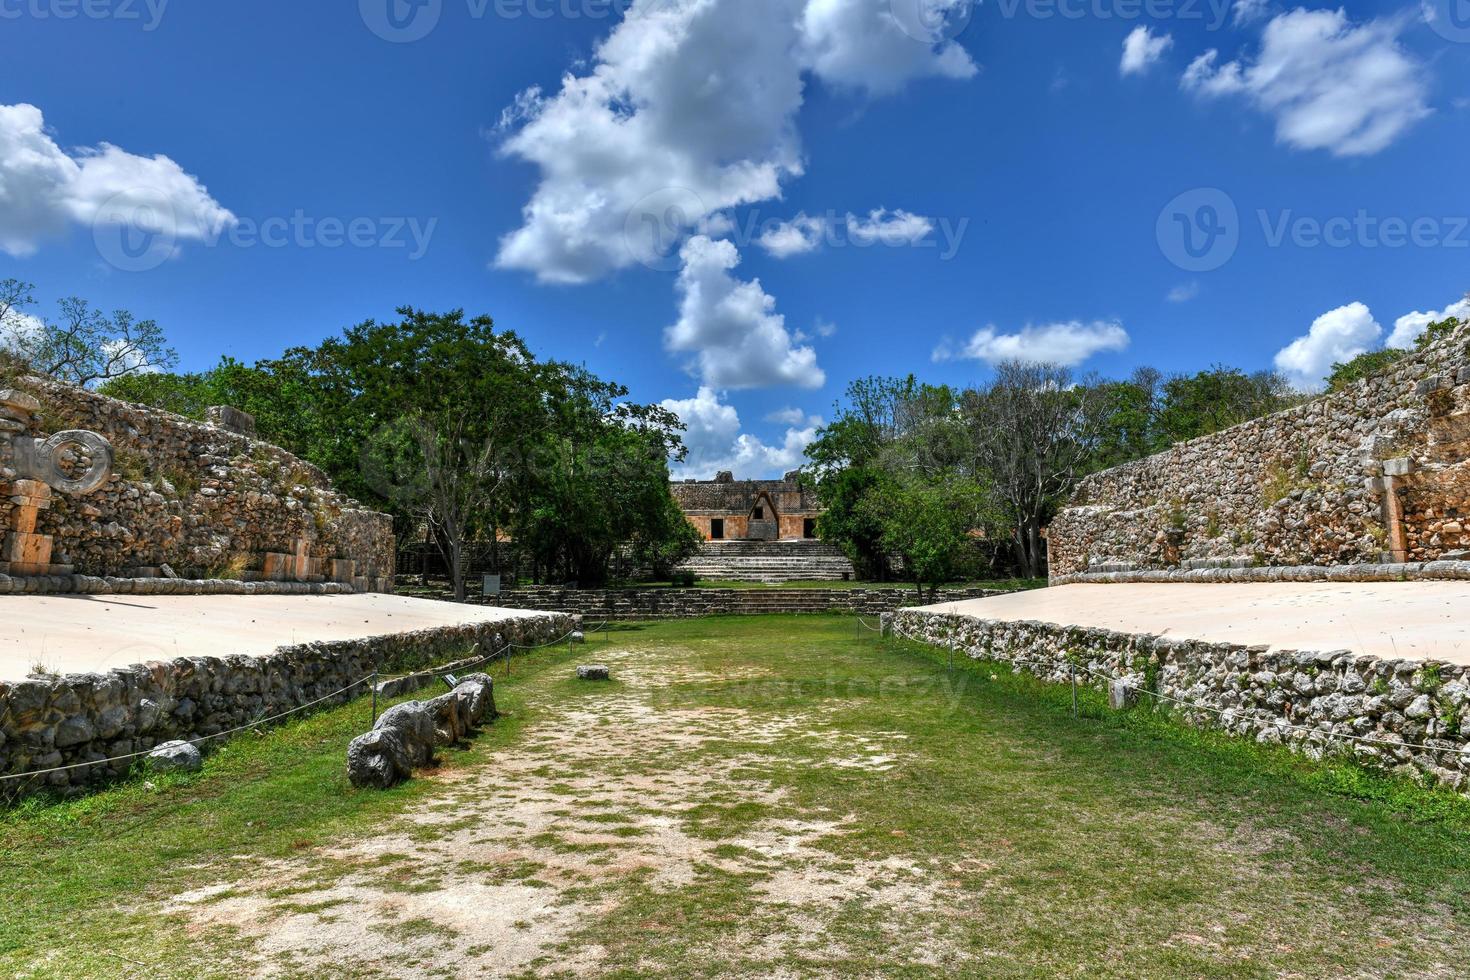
(765, 522)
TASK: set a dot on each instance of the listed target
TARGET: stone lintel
(1402, 466)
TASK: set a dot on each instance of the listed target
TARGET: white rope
(1194, 706)
(191, 741)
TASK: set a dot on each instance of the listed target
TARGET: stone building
(727, 509)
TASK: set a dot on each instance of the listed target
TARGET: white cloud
(1408, 328)
(798, 236)
(1248, 11)
(892, 228)
(790, 417)
(43, 188)
(716, 443)
(690, 108)
(1141, 49)
(732, 327)
(825, 328)
(1328, 83)
(1184, 292)
(1335, 337)
(1069, 343)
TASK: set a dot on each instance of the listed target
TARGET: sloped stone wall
(48, 722)
(205, 500)
(1406, 716)
(1376, 473)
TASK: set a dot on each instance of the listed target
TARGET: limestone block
(19, 401)
(231, 419)
(27, 549)
(23, 519)
(277, 567)
(1402, 466)
(594, 672)
(343, 570)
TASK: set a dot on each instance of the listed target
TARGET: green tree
(1345, 375)
(928, 522)
(1205, 403)
(81, 346)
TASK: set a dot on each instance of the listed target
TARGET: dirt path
(614, 791)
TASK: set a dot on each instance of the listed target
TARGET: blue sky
(737, 206)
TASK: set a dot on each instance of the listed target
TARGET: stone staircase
(770, 562)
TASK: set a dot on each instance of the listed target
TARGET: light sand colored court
(1419, 620)
(74, 634)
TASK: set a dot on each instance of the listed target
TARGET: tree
(1031, 433)
(83, 346)
(1205, 403)
(929, 523)
(1345, 375)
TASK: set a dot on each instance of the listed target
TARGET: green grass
(1004, 838)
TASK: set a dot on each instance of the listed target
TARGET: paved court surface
(1418, 620)
(73, 634)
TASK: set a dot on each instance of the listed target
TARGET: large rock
(415, 722)
(594, 672)
(482, 707)
(379, 759)
(175, 757)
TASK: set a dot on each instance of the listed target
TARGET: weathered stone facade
(726, 509)
(636, 604)
(1379, 473)
(1406, 716)
(176, 498)
(48, 722)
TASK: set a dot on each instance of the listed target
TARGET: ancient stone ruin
(1375, 475)
(95, 490)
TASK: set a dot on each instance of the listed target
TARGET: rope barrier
(190, 741)
(1054, 666)
(374, 677)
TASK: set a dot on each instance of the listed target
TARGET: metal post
(951, 651)
(1074, 690)
(375, 695)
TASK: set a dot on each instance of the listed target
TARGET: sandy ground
(504, 870)
(72, 634)
(1398, 619)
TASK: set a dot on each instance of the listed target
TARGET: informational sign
(492, 585)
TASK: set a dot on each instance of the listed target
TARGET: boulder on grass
(594, 672)
(482, 709)
(379, 760)
(175, 757)
(414, 721)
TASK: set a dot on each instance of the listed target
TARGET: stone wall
(187, 498)
(638, 604)
(46, 722)
(1318, 703)
(1374, 474)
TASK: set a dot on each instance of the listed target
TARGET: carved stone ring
(43, 461)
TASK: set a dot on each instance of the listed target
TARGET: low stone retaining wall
(1430, 571)
(1406, 716)
(95, 585)
(48, 722)
(632, 604)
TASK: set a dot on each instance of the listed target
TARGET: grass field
(764, 796)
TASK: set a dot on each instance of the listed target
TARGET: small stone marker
(1121, 695)
(175, 757)
(594, 672)
(579, 637)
